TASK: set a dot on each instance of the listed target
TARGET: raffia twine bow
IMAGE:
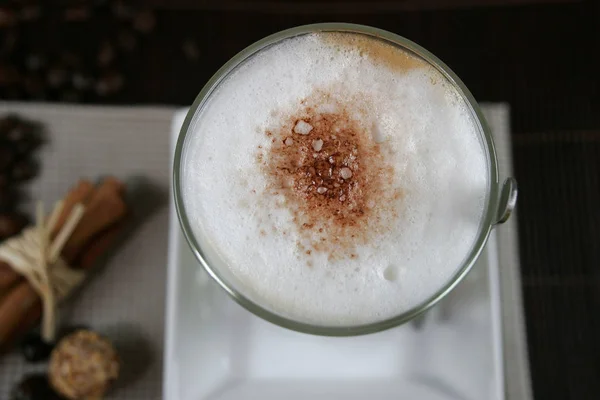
(34, 256)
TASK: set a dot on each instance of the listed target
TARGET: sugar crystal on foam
(427, 134)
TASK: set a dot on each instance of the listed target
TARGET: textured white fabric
(124, 298)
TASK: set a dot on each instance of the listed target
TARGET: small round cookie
(83, 365)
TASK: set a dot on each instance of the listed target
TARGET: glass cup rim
(486, 224)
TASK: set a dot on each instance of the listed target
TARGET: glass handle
(508, 200)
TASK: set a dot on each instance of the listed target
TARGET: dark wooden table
(540, 58)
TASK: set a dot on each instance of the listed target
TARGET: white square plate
(217, 350)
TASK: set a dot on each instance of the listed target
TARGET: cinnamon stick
(22, 323)
(79, 194)
(15, 306)
(33, 315)
(99, 246)
(105, 208)
(8, 277)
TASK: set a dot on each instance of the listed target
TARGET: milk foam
(428, 135)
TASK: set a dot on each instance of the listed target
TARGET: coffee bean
(24, 170)
(8, 199)
(30, 13)
(70, 60)
(106, 54)
(19, 131)
(127, 40)
(7, 17)
(56, 77)
(144, 21)
(8, 41)
(70, 96)
(109, 83)
(34, 85)
(122, 10)
(34, 62)
(4, 182)
(81, 81)
(20, 137)
(34, 348)
(7, 156)
(34, 387)
(7, 123)
(11, 224)
(32, 142)
(100, 4)
(190, 49)
(11, 93)
(9, 75)
(77, 14)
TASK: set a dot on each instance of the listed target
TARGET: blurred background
(539, 56)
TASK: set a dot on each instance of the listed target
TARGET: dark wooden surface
(540, 58)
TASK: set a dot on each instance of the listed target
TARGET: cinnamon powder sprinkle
(335, 179)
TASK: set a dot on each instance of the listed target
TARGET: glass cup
(500, 197)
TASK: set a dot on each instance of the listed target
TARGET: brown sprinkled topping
(331, 173)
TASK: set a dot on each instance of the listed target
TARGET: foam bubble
(422, 128)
